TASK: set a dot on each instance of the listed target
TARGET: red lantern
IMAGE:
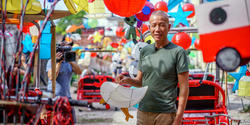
(146, 12)
(114, 45)
(101, 31)
(119, 32)
(189, 7)
(182, 39)
(125, 8)
(161, 5)
(93, 55)
(197, 44)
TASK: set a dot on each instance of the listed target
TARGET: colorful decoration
(125, 8)
(119, 32)
(85, 23)
(106, 41)
(75, 6)
(91, 1)
(92, 23)
(131, 31)
(114, 45)
(173, 3)
(97, 37)
(96, 9)
(146, 12)
(197, 44)
(182, 39)
(161, 5)
(189, 7)
(27, 44)
(93, 55)
(237, 76)
(180, 16)
(101, 31)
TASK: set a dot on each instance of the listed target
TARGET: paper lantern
(146, 12)
(125, 8)
(189, 7)
(119, 32)
(182, 39)
(161, 5)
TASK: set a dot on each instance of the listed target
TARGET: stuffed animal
(131, 31)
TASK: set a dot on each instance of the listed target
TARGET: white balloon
(121, 97)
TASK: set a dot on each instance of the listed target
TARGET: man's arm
(58, 65)
(76, 68)
(137, 82)
(183, 95)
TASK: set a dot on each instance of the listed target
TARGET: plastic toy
(224, 30)
(131, 31)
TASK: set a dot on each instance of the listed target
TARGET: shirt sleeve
(182, 61)
(48, 67)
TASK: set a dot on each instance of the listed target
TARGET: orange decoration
(119, 32)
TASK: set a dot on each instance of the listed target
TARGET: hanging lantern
(189, 7)
(125, 8)
(161, 5)
(182, 39)
(146, 12)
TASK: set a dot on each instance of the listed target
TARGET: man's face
(159, 28)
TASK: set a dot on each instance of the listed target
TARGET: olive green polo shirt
(159, 69)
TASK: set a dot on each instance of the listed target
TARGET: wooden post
(53, 57)
(226, 88)
(53, 62)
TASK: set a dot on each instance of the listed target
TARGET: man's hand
(177, 120)
(59, 56)
(119, 78)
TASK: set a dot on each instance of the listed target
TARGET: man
(161, 66)
(64, 72)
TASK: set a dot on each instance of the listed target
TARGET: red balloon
(114, 45)
(145, 17)
(197, 44)
(125, 8)
(119, 32)
(161, 5)
(189, 7)
(101, 31)
(182, 39)
(93, 55)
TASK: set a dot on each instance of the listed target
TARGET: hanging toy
(131, 32)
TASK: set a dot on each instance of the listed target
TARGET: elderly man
(161, 66)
